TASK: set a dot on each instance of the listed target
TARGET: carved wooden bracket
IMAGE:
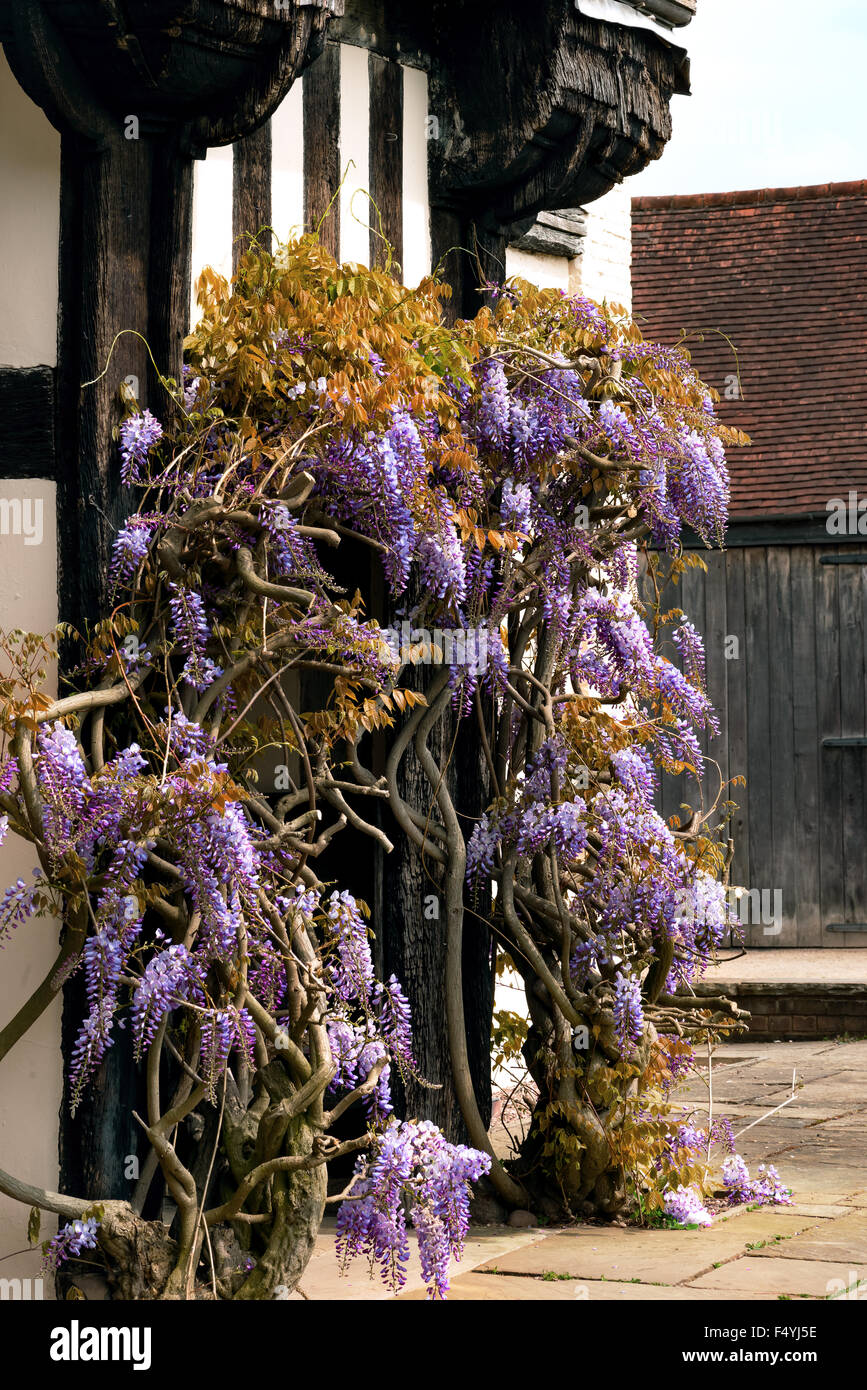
(544, 114)
(209, 71)
(528, 115)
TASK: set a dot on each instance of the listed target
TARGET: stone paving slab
(804, 1278)
(771, 1069)
(823, 965)
(818, 1209)
(844, 1238)
(663, 1256)
(793, 1116)
(738, 1090)
(843, 1090)
(819, 1145)
(323, 1281)
(502, 1288)
(822, 1152)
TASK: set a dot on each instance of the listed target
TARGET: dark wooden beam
(386, 159)
(27, 422)
(392, 28)
(530, 114)
(251, 192)
(809, 529)
(322, 147)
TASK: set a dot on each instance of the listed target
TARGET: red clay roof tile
(770, 284)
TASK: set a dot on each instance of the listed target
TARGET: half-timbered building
(142, 141)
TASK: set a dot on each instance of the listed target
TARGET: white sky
(779, 98)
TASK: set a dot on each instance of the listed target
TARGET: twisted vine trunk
(298, 1204)
(414, 928)
(145, 1262)
(569, 1157)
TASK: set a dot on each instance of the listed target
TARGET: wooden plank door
(842, 587)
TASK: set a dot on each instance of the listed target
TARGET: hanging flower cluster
(71, 1239)
(413, 1167)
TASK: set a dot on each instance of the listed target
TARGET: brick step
(786, 1010)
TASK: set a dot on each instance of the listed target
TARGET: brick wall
(797, 1011)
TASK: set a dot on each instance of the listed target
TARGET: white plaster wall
(212, 217)
(416, 196)
(356, 212)
(212, 185)
(30, 1075)
(29, 228)
(548, 272)
(604, 270)
(287, 164)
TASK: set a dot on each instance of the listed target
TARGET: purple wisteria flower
(16, 906)
(628, 1012)
(169, 979)
(64, 786)
(190, 630)
(351, 971)
(766, 1188)
(723, 1133)
(130, 548)
(138, 435)
(223, 1030)
(394, 1020)
(71, 1239)
(689, 643)
(685, 1205)
(415, 1166)
(355, 1052)
(481, 848)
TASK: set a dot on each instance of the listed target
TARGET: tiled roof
(782, 274)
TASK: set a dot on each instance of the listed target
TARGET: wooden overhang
(674, 12)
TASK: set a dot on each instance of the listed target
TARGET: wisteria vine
(509, 470)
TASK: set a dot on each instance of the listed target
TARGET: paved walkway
(785, 966)
(815, 1249)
